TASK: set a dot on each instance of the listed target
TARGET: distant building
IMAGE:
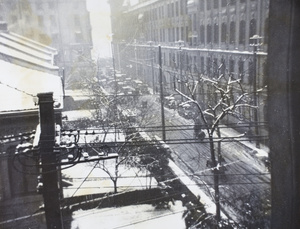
(63, 25)
(207, 37)
(27, 68)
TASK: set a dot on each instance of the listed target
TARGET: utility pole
(180, 43)
(255, 44)
(135, 57)
(152, 70)
(115, 89)
(48, 160)
(161, 96)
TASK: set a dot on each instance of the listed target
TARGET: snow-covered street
(89, 180)
(130, 217)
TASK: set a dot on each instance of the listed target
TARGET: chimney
(3, 26)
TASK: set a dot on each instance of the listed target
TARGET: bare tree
(114, 112)
(225, 95)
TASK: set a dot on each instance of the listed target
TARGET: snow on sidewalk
(130, 217)
(263, 151)
(209, 205)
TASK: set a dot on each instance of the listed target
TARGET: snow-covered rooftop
(26, 50)
(19, 85)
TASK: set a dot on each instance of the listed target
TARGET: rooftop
(19, 86)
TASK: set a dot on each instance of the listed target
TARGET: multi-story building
(27, 69)
(207, 37)
(63, 25)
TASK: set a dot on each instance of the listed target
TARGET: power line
(17, 89)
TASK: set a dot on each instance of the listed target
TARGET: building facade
(63, 25)
(27, 68)
(200, 37)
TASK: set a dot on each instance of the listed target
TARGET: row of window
(27, 5)
(215, 3)
(180, 8)
(227, 34)
(212, 67)
(210, 33)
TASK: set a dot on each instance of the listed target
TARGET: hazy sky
(101, 27)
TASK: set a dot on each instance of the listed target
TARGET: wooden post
(48, 160)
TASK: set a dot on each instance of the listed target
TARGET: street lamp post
(255, 44)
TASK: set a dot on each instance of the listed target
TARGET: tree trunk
(216, 178)
(115, 185)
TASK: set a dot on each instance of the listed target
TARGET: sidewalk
(262, 152)
(210, 206)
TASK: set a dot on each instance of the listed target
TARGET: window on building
(232, 33)
(195, 64)
(201, 5)
(208, 66)
(231, 66)
(208, 4)
(202, 34)
(187, 61)
(241, 70)
(252, 29)
(216, 4)
(202, 64)
(224, 3)
(223, 32)
(209, 32)
(182, 7)
(242, 1)
(232, 2)
(222, 66)
(215, 67)
(251, 72)
(177, 8)
(173, 34)
(194, 22)
(216, 33)
(186, 33)
(242, 35)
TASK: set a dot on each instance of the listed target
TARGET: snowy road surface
(130, 217)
